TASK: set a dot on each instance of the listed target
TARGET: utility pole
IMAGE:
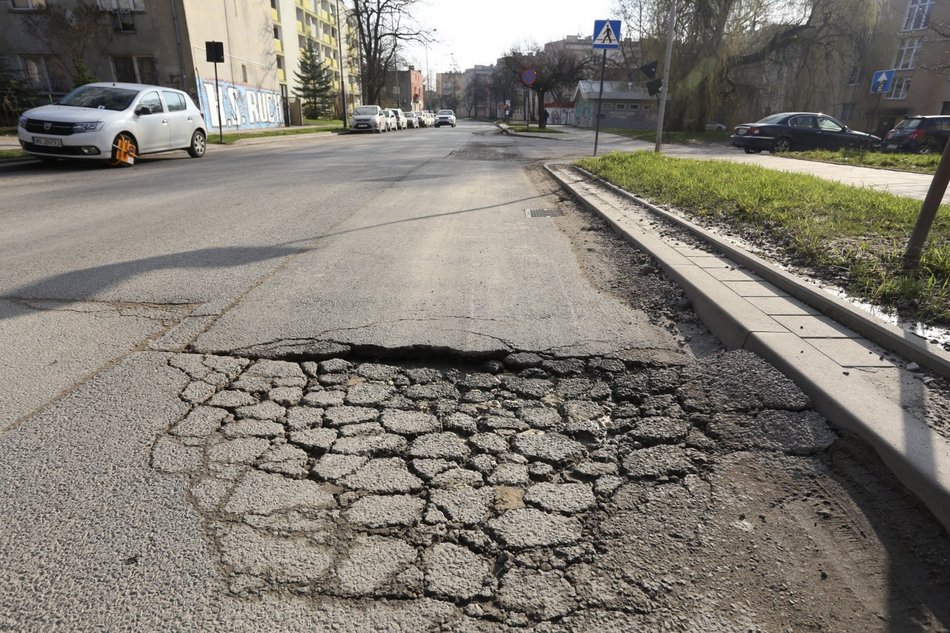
(671, 22)
(339, 44)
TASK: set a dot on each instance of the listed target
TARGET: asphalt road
(551, 441)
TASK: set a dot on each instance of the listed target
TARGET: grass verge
(917, 163)
(852, 237)
(717, 136)
(316, 128)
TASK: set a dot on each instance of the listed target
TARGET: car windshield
(365, 110)
(909, 124)
(100, 97)
(446, 112)
(772, 118)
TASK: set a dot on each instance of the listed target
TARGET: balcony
(278, 46)
(281, 75)
(274, 15)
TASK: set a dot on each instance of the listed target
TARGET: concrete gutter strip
(910, 346)
(918, 456)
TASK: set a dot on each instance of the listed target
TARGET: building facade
(404, 90)
(164, 43)
(911, 40)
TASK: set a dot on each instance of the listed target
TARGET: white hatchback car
(117, 122)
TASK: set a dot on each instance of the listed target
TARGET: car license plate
(47, 142)
(892, 146)
(362, 125)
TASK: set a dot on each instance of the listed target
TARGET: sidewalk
(860, 385)
(899, 183)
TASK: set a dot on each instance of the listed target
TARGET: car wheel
(124, 137)
(929, 148)
(782, 145)
(199, 143)
(749, 150)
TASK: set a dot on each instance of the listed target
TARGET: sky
(481, 31)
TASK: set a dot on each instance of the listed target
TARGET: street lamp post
(339, 42)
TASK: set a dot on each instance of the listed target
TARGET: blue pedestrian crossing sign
(606, 34)
(881, 81)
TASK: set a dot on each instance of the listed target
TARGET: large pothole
(491, 486)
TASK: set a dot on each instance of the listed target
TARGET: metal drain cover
(543, 213)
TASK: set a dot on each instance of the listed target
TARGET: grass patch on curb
(917, 163)
(534, 129)
(12, 153)
(852, 237)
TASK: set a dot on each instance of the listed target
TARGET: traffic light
(649, 70)
(654, 86)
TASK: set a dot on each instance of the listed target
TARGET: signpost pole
(214, 53)
(666, 78)
(600, 99)
(606, 37)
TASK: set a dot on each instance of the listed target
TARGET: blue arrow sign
(881, 81)
(606, 34)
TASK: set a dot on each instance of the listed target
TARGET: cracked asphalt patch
(557, 494)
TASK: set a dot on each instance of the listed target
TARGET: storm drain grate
(543, 213)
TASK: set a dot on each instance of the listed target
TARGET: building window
(945, 108)
(45, 73)
(899, 88)
(918, 14)
(854, 77)
(122, 5)
(135, 69)
(634, 106)
(28, 4)
(620, 106)
(846, 112)
(244, 73)
(907, 55)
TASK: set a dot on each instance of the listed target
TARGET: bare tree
(741, 55)
(73, 33)
(557, 71)
(382, 28)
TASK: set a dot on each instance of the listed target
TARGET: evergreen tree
(314, 85)
(16, 95)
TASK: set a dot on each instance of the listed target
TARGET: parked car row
(374, 118)
(798, 131)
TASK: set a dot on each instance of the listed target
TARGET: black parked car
(919, 135)
(788, 131)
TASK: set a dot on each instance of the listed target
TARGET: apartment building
(164, 42)
(910, 40)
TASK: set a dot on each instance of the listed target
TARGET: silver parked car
(368, 118)
(116, 122)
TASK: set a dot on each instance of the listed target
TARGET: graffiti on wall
(241, 106)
